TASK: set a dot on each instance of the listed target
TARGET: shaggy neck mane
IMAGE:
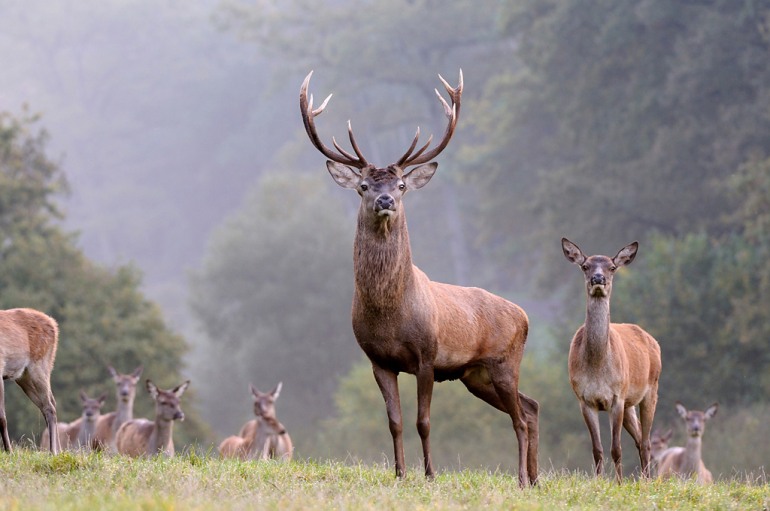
(382, 261)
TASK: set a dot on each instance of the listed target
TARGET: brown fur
(263, 437)
(109, 423)
(142, 437)
(405, 322)
(687, 462)
(28, 342)
(613, 367)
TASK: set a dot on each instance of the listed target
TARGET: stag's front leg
(424, 395)
(388, 383)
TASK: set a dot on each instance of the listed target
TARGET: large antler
(308, 114)
(452, 113)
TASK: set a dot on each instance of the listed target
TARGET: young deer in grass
(80, 433)
(28, 342)
(687, 462)
(613, 367)
(142, 437)
(405, 322)
(109, 423)
(262, 438)
(658, 445)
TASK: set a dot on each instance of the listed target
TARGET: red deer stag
(109, 423)
(405, 322)
(613, 367)
(142, 437)
(261, 438)
(687, 462)
(28, 341)
(80, 433)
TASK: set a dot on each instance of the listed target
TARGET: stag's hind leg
(388, 383)
(424, 395)
(479, 384)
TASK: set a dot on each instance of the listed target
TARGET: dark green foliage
(273, 301)
(102, 316)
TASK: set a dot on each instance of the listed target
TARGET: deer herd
(404, 323)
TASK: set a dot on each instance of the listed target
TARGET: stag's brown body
(28, 342)
(405, 322)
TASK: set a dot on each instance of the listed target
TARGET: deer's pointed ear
(668, 434)
(711, 410)
(83, 396)
(345, 176)
(626, 254)
(681, 410)
(179, 389)
(277, 390)
(103, 398)
(254, 391)
(151, 388)
(137, 372)
(113, 372)
(572, 252)
(419, 176)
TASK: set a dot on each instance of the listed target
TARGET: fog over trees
(180, 186)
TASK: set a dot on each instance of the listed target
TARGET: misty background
(201, 235)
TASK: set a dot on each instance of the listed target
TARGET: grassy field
(33, 480)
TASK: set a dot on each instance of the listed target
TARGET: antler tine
(411, 147)
(308, 115)
(452, 113)
(353, 143)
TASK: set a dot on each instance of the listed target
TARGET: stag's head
(125, 384)
(167, 402)
(264, 402)
(381, 189)
(695, 420)
(598, 270)
(92, 407)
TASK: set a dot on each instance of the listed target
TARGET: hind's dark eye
(402, 187)
(364, 187)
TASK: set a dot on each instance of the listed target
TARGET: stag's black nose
(598, 280)
(384, 201)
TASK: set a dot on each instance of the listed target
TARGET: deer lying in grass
(28, 342)
(142, 437)
(613, 367)
(262, 438)
(80, 433)
(687, 462)
(109, 423)
(406, 323)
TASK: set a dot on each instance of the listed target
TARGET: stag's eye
(402, 186)
(584, 267)
(613, 268)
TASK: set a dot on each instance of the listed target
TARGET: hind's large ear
(626, 254)
(179, 389)
(151, 388)
(572, 252)
(711, 411)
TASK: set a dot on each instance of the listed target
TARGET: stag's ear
(179, 389)
(681, 410)
(151, 388)
(419, 176)
(343, 175)
(626, 254)
(711, 411)
(572, 252)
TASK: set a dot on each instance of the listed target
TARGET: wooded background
(160, 199)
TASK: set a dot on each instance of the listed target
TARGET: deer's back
(133, 437)
(281, 447)
(104, 434)
(674, 462)
(26, 336)
(234, 447)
